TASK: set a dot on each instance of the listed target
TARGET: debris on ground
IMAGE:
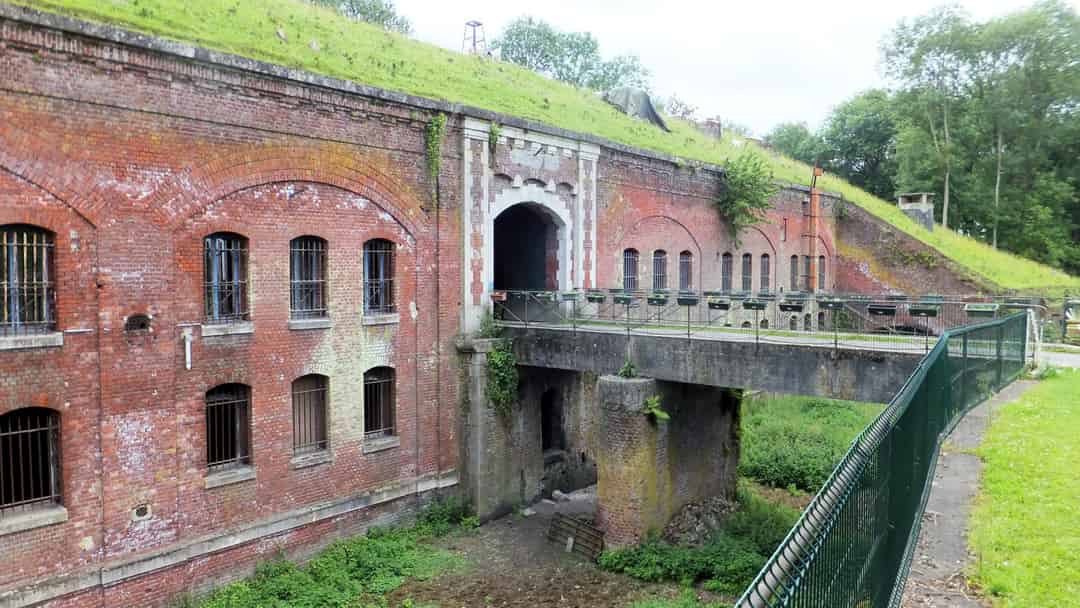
(695, 523)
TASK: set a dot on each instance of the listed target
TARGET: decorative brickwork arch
(632, 239)
(192, 195)
(21, 157)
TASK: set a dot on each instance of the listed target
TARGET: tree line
(986, 115)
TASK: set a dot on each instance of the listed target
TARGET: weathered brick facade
(130, 151)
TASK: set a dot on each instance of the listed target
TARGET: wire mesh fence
(853, 544)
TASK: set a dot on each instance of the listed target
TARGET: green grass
(795, 442)
(728, 561)
(1024, 529)
(354, 573)
(362, 53)
(686, 599)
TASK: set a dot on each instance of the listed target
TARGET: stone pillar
(650, 469)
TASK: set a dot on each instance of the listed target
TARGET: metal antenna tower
(474, 40)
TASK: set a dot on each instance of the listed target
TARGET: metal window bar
(307, 278)
(747, 273)
(794, 283)
(821, 273)
(309, 395)
(225, 268)
(228, 427)
(806, 278)
(630, 269)
(726, 269)
(379, 276)
(379, 403)
(26, 281)
(686, 271)
(659, 268)
(766, 284)
(30, 475)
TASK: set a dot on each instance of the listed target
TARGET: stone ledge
(391, 318)
(300, 324)
(379, 445)
(226, 478)
(228, 329)
(313, 459)
(37, 518)
(49, 340)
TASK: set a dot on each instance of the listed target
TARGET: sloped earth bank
(511, 564)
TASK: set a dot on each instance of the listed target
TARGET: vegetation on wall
(502, 377)
(433, 138)
(655, 410)
(744, 198)
(360, 52)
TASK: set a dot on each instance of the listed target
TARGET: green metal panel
(852, 546)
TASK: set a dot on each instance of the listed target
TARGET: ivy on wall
(502, 377)
(433, 137)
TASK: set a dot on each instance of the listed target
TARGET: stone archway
(528, 249)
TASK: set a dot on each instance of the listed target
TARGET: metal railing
(887, 321)
(853, 544)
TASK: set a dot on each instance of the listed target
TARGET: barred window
(379, 403)
(309, 413)
(794, 273)
(307, 278)
(807, 279)
(765, 270)
(379, 276)
(659, 269)
(686, 271)
(228, 427)
(226, 277)
(747, 272)
(821, 273)
(26, 280)
(29, 460)
(725, 272)
(630, 263)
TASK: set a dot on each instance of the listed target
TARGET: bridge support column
(649, 469)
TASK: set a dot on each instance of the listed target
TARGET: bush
(797, 441)
(727, 563)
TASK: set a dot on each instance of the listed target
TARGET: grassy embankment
(1025, 531)
(283, 32)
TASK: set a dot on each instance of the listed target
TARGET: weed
(627, 370)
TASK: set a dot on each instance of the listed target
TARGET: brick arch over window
(636, 238)
(17, 145)
(222, 177)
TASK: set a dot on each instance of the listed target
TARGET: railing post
(1000, 361)
(964, 374)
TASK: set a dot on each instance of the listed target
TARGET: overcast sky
(755, 62)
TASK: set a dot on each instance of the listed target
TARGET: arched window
(747, 273)
(764, 324)
(807, 278)
(379, 406)
(659, 269)
(379, 276)
(807, 325)
(225, 277)
(26, 280)
(686, 271)
(228, 427)
(765, 270)
(725, 272)
(307, 278)
(630, 268)
(821, 321)
(821, 273)
(794, 285)
(29, 460)
(793, 323)
(309, 397)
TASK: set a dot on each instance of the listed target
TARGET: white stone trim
(228, 329)
(48, 340)
(318, 323)
(229, 477)
(34, 518)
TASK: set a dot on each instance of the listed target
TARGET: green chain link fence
(852, 547)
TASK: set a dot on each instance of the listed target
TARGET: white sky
(755, 62)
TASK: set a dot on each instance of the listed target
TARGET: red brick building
(231, 293)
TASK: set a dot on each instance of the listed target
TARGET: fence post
(964, 375)
(1000, 361)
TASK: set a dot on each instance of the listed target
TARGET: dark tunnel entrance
(526, 249)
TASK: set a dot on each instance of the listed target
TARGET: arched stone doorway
(528, 249)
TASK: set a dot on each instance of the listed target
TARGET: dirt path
(939, 567)
(511, 564)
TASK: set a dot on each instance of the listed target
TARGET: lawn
(296, 34)
(1025, 529)
(795, 442)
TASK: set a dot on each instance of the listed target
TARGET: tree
(571, 57)
(796, 140)
(748, 186)
(382, 13)
(860, 137)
